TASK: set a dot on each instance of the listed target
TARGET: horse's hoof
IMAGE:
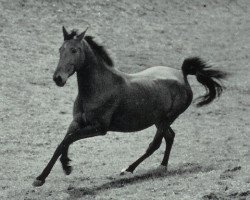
(38, 183)
(162, 167)
(125, 172)
(67, 170)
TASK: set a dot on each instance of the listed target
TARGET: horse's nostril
(57, 79)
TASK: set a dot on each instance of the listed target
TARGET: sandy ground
(211, 154)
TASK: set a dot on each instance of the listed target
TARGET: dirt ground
(210, 157)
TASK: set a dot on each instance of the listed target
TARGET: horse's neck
(95, 77)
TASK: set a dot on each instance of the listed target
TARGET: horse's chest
(96, 110)
(90, 113)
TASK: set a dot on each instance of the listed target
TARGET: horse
(111, 100)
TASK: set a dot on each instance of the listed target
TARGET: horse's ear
(81, 36)
(65, 33)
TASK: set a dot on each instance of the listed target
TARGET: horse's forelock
(73, 34)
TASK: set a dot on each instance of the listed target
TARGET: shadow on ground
(187, 168)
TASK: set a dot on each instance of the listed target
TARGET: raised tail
(207, 77)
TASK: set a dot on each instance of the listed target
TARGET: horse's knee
(64, 158)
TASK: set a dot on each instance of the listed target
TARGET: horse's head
(71, 56)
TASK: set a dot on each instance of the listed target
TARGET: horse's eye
(73, 50)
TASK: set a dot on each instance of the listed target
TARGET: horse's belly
(133, 121)
(128, 126)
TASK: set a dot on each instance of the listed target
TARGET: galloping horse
(111, 100)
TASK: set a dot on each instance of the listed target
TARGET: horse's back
(160, 73)
(160, 79)
(166, 75)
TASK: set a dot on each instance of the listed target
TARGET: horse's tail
(207, 77)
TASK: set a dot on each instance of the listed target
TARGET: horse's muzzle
(59, 81)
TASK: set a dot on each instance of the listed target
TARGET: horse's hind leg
(153, 146)
(169, 139)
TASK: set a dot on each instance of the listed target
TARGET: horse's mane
(99, 50)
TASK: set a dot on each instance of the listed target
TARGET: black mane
(98, 49)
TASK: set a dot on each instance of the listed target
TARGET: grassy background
(210, 157)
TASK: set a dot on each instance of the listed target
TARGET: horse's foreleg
(89, 131)
(65, 161)
(153, 146)
(74, 127)
(169, 139)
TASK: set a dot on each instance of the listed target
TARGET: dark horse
(110, 100)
